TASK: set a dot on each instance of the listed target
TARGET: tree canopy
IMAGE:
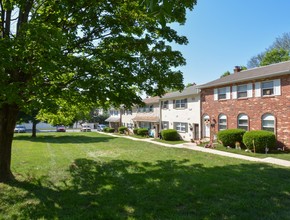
(63, 53)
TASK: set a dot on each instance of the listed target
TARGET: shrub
(262, 139)
(110, 130)
(135, 131)
(122, 129)
(142, 131)
(170, 135)
(106, 129)
(231, 136)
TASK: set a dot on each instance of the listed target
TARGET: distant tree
(282, 42)
(31, 117)
(275, 56)
(190, 84)
(227, 73)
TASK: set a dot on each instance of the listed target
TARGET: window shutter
(234, 92)
(186, 127)
(277, 87)
(215, 97)
(161, 104)
(228, 92)
(249, 90)
(174, 125)
(174, 104)
(257, 89)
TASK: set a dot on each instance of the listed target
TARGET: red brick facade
(254, 107)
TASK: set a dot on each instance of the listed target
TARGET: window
(165, 105)
(165, 125)
(180, 127)
(151, 108)
(222, 93)
(129, 125)
(181, 103)
(268, 122)
(222, 123)
(268, 88)
(243, 122)
(145, 124)
(114, 112)
(242, 91)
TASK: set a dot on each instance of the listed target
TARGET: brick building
(254, 99)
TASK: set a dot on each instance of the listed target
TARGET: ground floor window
(222, 122)
(268, 122)
(165, 125)
(180, 126)
(144, 124)
(243, 122)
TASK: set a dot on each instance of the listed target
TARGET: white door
(206, 126)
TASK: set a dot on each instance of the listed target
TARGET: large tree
(84, 51)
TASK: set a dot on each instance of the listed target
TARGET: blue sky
(226, 33)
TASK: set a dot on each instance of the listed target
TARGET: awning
(113, 119)
(146, 118)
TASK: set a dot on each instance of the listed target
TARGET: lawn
(94, 176)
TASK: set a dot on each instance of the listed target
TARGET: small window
(243, 122)
(165, 125)
(165, 105)
(242, 91)
(151, 108)
(268, 122)
(267, 88)
(222, 93)
(181, 103)
(180, 127)
(222, 123)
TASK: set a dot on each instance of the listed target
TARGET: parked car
(86, 128)
(101, 127)
(60, 128)
(20, 129)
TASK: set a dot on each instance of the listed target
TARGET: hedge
(262, 140)
(122, 129)
(142, 131)
(170, 135)
(135, 131)
(229, 137)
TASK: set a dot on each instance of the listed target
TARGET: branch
(24, 14)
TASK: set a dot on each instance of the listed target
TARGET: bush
(231, 136)
(142, 131)
(170, 135)
(122, 129)
(111, 130)
(262, 139)
(135, 131)
(106, 129)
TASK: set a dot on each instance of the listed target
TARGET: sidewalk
(193, 146)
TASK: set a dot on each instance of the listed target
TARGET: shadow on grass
(79, 138)
(163, 190)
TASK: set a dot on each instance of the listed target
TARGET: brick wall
(254, 107)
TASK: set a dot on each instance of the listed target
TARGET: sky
(223, 34)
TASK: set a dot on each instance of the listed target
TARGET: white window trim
(276, 88)
(228, 93)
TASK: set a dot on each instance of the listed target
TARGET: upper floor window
(243, 122)
(268, 88)
(180, 126)
(165, 104)
(268, 122)
(222, 93)
(242, 91)
(180, 103)
(222, 123)
(147, 108)
(114, 112)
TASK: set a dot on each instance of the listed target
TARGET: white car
(86, 128)
(101, 127)
(20, 129)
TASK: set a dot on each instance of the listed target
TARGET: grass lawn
(94, 176)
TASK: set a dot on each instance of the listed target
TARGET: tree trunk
(8, 118)
(34, 123)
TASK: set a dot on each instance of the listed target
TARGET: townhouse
(181, 111)
(254, 99)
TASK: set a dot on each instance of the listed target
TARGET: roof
(113, 119)
(154, 99)
(191, 90)
(149, 118)
(272, 70)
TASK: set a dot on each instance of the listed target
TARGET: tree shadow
(65, 139)
(167, 189)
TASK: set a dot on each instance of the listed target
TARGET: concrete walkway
(193, 146)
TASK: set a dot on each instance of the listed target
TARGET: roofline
(245, 79)
(179, 96)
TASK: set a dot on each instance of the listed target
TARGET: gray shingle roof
(191, 90)
(277, 69)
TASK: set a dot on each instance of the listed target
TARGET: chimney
(237, 69)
